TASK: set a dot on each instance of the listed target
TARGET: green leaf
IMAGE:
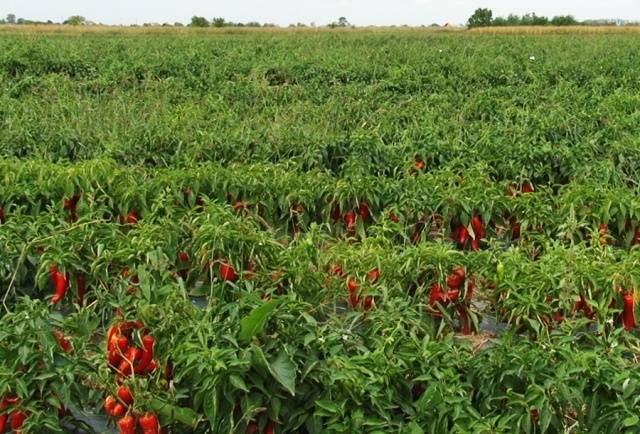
(254, 323)
(282, 368)
(631, 421)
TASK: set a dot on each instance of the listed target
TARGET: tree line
(483, 17)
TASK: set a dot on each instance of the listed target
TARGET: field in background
(363, 230)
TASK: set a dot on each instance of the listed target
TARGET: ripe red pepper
(114, 358)
(527, 187)
(364, 211)
(352, 287)
(61, 283)
(628, 312)
(118, 410)
(125, 395)
(271, 428)
(3, 422)
(515, 228)
(373, 275)
(149, 423)
(253, 427)
(183, 256)
(227, 272)
(475, 245)
(109, 405)
(127, 425)
(337, 270)
(456, 279)
(478, 227)
(71, 205)
(350, 221)
(126, 365)
(2, 216)
(17, 419)
(463, 236)
(153, 365)
(369, 302)
(132, 218)
(394, 218)
(419, 164)
(603, 231)
(63, 342)
(437, 296)
(148, 344)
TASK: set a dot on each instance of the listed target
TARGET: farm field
(363, 231)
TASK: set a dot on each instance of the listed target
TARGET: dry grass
(530, 30)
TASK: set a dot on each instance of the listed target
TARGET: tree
(11, 19)
(218, 22)
(75, 20)
(199, 22)
(482, 17)
(564, 20)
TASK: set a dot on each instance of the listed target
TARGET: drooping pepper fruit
(628, 312)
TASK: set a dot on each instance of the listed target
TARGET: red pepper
(17, 419)
(126, 365)
(81, 284)
(478, 227)
(118, 410)
(463, 236)
(2, 216)
(419, 164)
(149, 423)
(153, 365)
(132, 218)
(350, 221)
(63, 342)
(61, 283)
(373, 274)
(369, 302)
(114, 358)
(475, 245)
(127, 425)
(337, 270)
(227, 272)
(394, 218)
(148, 343)
(417, 232)
(437, 296)
(527, 187)
(71, 206)
(125, 395)
(271, 428)
(109, 405)
(364, 211)
(253, 427)
(183, 256)
(3, 422)
(352, 287)
(628, 312)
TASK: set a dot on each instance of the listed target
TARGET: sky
(283, 12)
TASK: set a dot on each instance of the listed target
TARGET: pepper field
(319, 231)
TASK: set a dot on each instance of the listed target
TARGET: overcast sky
(359, 12)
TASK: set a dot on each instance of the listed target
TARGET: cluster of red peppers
(455, 284)
(464, 238)
(127, 359)
(61, 285)
(15, 417)
(353, 287)
(119, 407)
(350, 218)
